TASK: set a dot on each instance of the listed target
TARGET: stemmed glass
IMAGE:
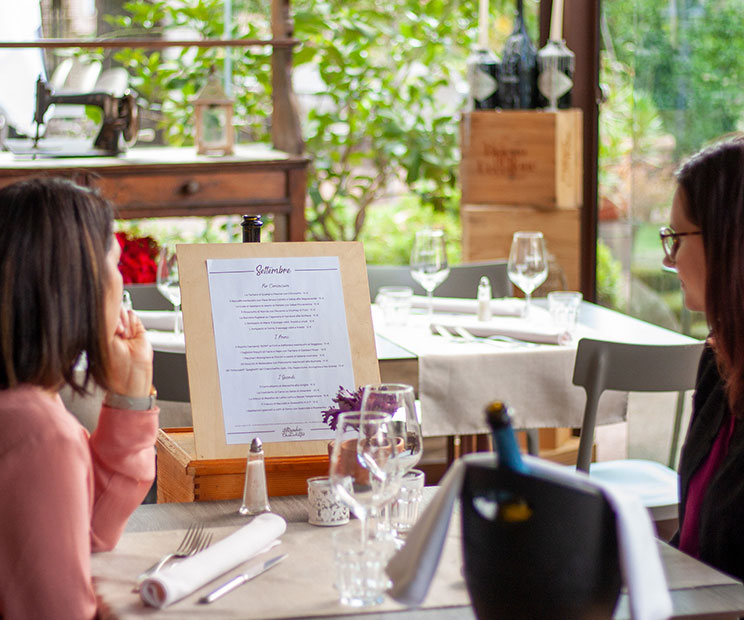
(364, 464)
(397, 400)
(527, 266)
(168, 283)
(429, 265)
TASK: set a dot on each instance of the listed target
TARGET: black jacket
(722, 512)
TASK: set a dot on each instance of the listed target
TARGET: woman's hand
(130, 357)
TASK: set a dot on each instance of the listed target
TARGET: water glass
(322, 506)
(564, 310)
(361, 580)
(396, 304)
(405, 508)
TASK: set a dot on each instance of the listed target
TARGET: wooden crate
(522, 157)
(182, 478)
(487, 234)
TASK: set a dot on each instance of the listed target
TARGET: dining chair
(147, 297)
(462, 281)
(602, 365)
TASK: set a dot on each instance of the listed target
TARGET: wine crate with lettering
(487, 234)
(522, 157)
(184, 478)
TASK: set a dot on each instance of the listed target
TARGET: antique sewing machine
(120, 117)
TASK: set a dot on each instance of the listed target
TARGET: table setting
(475, 349)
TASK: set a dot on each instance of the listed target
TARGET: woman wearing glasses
(705, 244)
(65, 493)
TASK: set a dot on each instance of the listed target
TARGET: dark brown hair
(54, 236)
(713, 182)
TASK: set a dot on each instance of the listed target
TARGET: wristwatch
(134, 403)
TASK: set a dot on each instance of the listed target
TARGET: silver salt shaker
(484, 299)
(255, 495)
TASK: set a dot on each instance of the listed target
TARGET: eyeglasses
(670, 241)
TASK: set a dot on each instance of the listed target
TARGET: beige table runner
(457, 379)
(302, 585)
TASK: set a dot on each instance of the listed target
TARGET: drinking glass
(527, 266)
(397, 400)
(429, 265)
(364, 464)
(168, 283)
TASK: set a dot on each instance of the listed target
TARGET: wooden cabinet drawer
(205, 192)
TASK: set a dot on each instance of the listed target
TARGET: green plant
(384, 111)
(609, 273)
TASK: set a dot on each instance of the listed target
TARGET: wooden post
(286, 133)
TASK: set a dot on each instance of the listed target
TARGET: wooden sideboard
(170, 181)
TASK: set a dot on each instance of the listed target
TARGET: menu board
(282, 344)
(272, 330)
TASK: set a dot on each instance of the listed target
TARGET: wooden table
(697, 590)
(171, 181)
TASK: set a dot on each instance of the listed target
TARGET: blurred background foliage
(381, 88)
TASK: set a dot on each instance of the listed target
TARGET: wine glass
(397, 400)
(364, 465)
(429, 265)
(168, 283)
(527, 266)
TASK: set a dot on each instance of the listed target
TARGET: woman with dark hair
(65, 493)
(705, 244)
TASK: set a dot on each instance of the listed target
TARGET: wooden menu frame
(201, 354)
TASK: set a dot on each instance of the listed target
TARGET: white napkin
(412, 568)
(167, 341)
(504, 306)
(159, 319)
(185, 577)
(538, 328)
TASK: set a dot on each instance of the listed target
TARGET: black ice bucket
(537, 548)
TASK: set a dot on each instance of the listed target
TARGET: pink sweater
(64, 494)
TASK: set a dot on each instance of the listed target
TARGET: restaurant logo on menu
(292, 431)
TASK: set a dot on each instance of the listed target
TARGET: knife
(229, 586)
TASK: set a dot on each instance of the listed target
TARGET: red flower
(139, 255)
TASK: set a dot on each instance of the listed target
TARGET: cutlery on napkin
(412, 569)
(179, 580)
(517, 329)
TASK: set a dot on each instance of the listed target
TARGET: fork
(468, 337)
(194, 541)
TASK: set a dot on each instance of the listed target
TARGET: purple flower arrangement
(346, 400)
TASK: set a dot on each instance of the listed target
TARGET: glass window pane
(671, 73)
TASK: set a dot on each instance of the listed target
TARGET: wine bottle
(251, 225)
(484, 67)
(518, 82)
(504, 441)
(556, 65)
(512, 508)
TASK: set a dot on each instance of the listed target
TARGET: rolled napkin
(504, 306)
(412, 569)
(538, 329)
(185, 577)
(163, 320)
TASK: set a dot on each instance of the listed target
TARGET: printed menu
(282, 344)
